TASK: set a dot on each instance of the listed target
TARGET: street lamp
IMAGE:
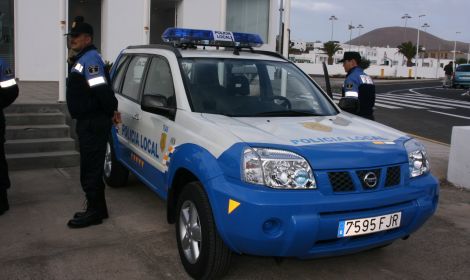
(332, 18)
(455, 47)
(406, 17)
(417, 48)
(425, 26)
(359, 27)
(351, 27)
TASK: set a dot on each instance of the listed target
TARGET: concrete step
(36, 108)
(34, 118)
(43, 160)
(15, 132)
(39, 145)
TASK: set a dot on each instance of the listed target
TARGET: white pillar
(285, 45)
(146, 23)
(223, 15)
(63, 47)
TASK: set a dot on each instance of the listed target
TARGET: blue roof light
(211, 38)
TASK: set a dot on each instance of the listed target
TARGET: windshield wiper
(287, 113)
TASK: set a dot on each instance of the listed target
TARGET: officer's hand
(117, 118)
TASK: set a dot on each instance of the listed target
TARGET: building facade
(31, 31)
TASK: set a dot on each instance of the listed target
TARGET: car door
(129, 105)
(157, 129)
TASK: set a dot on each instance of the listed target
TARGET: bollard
(382, 73)
(458, 172)
(410, 73)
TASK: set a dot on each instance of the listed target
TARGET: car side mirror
(157, 104)
(350, 105)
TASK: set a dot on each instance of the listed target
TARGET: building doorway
(162, 16)
(91, 11)
(7, 47)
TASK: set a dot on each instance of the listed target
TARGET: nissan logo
(370, 179)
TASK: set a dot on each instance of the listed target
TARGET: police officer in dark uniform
(92, 103)
(8, 94)
(358, 85)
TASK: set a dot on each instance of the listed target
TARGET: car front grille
(341, 181)
(357, 180)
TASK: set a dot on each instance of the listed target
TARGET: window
(133, 79)
(159, 81)
(120, 70)
(250, 16)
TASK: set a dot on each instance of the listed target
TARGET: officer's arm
(100, 87)
(351, 88)
(8, 87)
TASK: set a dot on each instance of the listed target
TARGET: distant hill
(394, 36)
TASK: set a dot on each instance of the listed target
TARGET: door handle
(136, 117)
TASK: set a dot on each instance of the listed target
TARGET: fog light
(272, 227)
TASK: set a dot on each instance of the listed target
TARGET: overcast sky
(310, 22)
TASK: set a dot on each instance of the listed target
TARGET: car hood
(332, 142)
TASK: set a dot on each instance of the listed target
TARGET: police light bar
(182, 36)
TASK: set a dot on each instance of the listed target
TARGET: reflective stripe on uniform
(351, 94)
(78, 67)
(8, 83)
(96, 81)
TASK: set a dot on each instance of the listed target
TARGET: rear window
(463, 68)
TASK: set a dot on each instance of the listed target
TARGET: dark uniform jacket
(359, 85)
(8, 93)
(89, 94)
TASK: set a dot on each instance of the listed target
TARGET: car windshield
(463, 68)
(250, 88)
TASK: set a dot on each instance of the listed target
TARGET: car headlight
(277, 169)
(417, 158)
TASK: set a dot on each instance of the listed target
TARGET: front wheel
(114, 173)
(203, 253)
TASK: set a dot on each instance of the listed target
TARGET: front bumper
(304, 223)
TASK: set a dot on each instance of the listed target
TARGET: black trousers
(4, 178)
(92, 136)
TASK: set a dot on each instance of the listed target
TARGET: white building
(31, 31)
(383, 61)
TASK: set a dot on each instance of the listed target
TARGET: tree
(330, 48)
(408, 50)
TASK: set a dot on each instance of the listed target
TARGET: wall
(37, 40)
(374, 70)
(122, 25)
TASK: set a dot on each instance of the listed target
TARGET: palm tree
(330, 48)
(408, 50)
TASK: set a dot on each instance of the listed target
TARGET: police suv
(253, 157)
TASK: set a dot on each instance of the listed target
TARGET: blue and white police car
(253, 157)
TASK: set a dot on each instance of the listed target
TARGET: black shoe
(89, 218)
(102, 206)
(4, 206)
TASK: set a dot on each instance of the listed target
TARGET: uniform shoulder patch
(349, 85)
(93, 69)
(8, 71)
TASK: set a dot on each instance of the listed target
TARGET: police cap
(351, 55)
(79, 26)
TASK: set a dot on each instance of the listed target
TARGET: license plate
(369, 225)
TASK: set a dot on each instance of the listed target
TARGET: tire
(114, 173)
(205, 255)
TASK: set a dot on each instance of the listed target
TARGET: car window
(247, 88)
(463, 68)
(133, 78)
(120, 70)
(159, 81)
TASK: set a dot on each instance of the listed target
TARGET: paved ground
(137, 243)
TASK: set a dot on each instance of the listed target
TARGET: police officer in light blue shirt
(91, 102)
(358, 85)
(8, 93)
